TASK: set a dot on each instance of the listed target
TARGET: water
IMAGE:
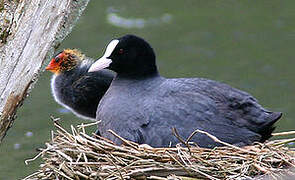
(249, 45)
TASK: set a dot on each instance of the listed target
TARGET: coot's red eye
(121, 51)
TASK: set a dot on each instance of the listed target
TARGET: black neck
(139, 73)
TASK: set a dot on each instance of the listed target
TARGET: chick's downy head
(64, 61)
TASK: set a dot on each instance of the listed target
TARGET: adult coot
(143, 106)
(74, 87)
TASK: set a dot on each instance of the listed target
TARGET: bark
(30, 30)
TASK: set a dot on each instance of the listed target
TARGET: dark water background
(247, 44)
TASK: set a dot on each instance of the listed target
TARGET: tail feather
(268, 128)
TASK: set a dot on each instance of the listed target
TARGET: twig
(80, 126)
(32, 175)
(283, 133)
(130, 143)
(37, 156)
(55, 120)
(175, 133)
(281, 142)
(78, 155)
(224, 143)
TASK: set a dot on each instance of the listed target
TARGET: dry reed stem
(77, 155)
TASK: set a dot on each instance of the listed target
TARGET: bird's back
(231, 114)
(146, 112)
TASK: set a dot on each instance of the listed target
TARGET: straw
(76, 155)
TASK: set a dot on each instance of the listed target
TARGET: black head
(130, 56)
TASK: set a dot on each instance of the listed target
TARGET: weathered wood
(29, 32)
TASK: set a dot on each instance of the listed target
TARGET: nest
(76, 155)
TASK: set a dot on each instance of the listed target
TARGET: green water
(247, 44)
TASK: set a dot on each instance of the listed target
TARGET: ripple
(63, 110)
(116, 20)
(16, 146)
(29, 134)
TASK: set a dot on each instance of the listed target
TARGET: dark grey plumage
(77, 89)
(81, 91)
(143, 107)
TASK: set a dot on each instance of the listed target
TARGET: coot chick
(143, 106)
(74, 87)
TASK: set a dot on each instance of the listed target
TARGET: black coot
(74, 87)
(143, 106)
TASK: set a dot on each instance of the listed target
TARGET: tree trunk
(30, 30)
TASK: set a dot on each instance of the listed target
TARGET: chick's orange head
(55, 64)
(66, 60)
